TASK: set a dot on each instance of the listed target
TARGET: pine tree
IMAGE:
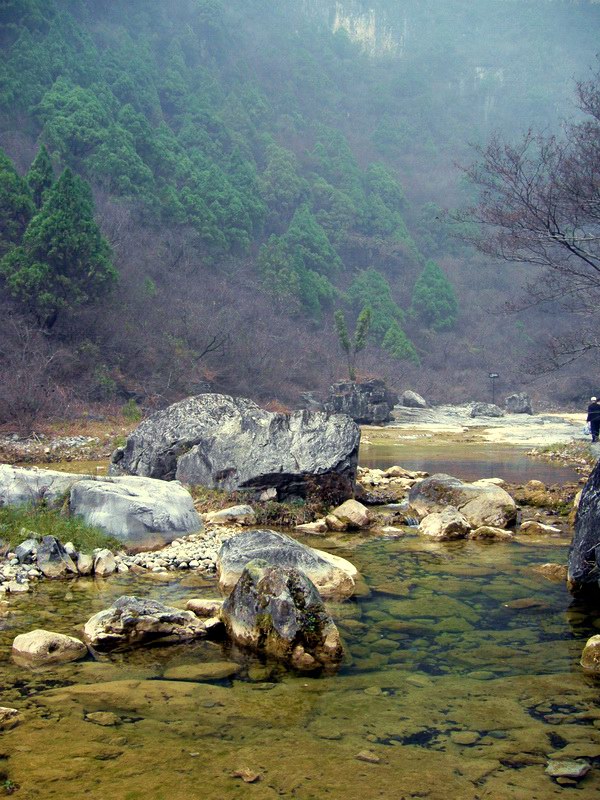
(16, 205)
(398, 345)
(40, 177)
(434, 301)
(64, 261)
(353, 345)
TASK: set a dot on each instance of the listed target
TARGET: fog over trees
(193, 192)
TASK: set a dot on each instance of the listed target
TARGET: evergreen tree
(398, 345)
(40, 176)
(371, 288)
(64, 261)
(434, 301)
(16, 205)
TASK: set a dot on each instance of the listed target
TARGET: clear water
(466, 461)
(462, 676)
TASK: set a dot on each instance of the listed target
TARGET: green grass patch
(22, 522)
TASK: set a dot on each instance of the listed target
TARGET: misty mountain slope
(250, 156)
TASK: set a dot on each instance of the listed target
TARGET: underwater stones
(584, 553)
(533, 527)
(106, 719)
(278, 611)
(567, 769)
(132, 621)
(139, 511)
(553, 572)
(481, 504)
(590, 658)
(353, 514)
(333, 576)
(203, 671)
(46, 647)
(231, 443)
(52, 559)
(445, 525)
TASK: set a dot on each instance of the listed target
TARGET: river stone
(9, 717)
(278, 611)
(53, 560)
(30, 486)
(132, 621)
(481, 504)
(333, 576)
(46, 647)
(413, 400)
(486, 410)
(553, 572)
(203, 671)
(353, 514)
(445, 525)
(490, 534)
(519, 403)
(231, 443)
(204, 608)
(368, 403)
(532, 527)
(590, 658)
(104, 563)
(240, 515)
(85, 564)
(138, 511)
(584, 553)
(568, 769)
(26, 552)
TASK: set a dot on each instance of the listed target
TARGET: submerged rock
(584, 553)
(333, 576)
(482, 504)
(279, 612)
(231, 443)
(138, 511)
(368, 403)
(134, 621)
(46, 647)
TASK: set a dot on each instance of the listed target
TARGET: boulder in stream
(481, 504)
(231, 443)
(333, 576)
(46, 647)
(132, 621)
(584, 553)
(278, 611)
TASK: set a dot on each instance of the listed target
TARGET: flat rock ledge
(132, 621)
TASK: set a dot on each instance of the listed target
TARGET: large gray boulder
(279, 612)
(30, 486)
(486, 410)
(141, 512)
(481, 504)
(368, 403)
(132, 621)
(584, 555)
(333, 576)
(519, 403)
(413, 400)
(231, 443)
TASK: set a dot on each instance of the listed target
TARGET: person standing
(593, 417)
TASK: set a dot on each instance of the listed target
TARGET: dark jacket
(593, 412)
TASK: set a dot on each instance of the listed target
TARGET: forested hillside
(190, 190)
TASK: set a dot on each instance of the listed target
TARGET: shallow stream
(462, 676)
